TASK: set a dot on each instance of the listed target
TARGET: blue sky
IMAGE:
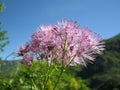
(22, 17)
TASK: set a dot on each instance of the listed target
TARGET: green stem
(47, 74)
(34, 85)
(50, 69)
(58, 78)
(46, 81)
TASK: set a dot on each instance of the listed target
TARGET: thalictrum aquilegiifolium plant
(60, 45)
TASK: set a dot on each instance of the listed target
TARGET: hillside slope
(104, 74)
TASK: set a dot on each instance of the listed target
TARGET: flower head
(66, 43)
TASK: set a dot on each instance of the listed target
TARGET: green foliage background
(23, 77)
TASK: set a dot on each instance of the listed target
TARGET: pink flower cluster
(66, 43)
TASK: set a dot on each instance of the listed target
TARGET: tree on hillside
(3, 38)
(1, 7)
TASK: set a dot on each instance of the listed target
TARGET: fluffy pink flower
(66, 43)
(27, 59)
(23, 49)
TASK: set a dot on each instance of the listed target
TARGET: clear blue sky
(22, 17)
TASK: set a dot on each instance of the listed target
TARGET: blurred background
(20, 19)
